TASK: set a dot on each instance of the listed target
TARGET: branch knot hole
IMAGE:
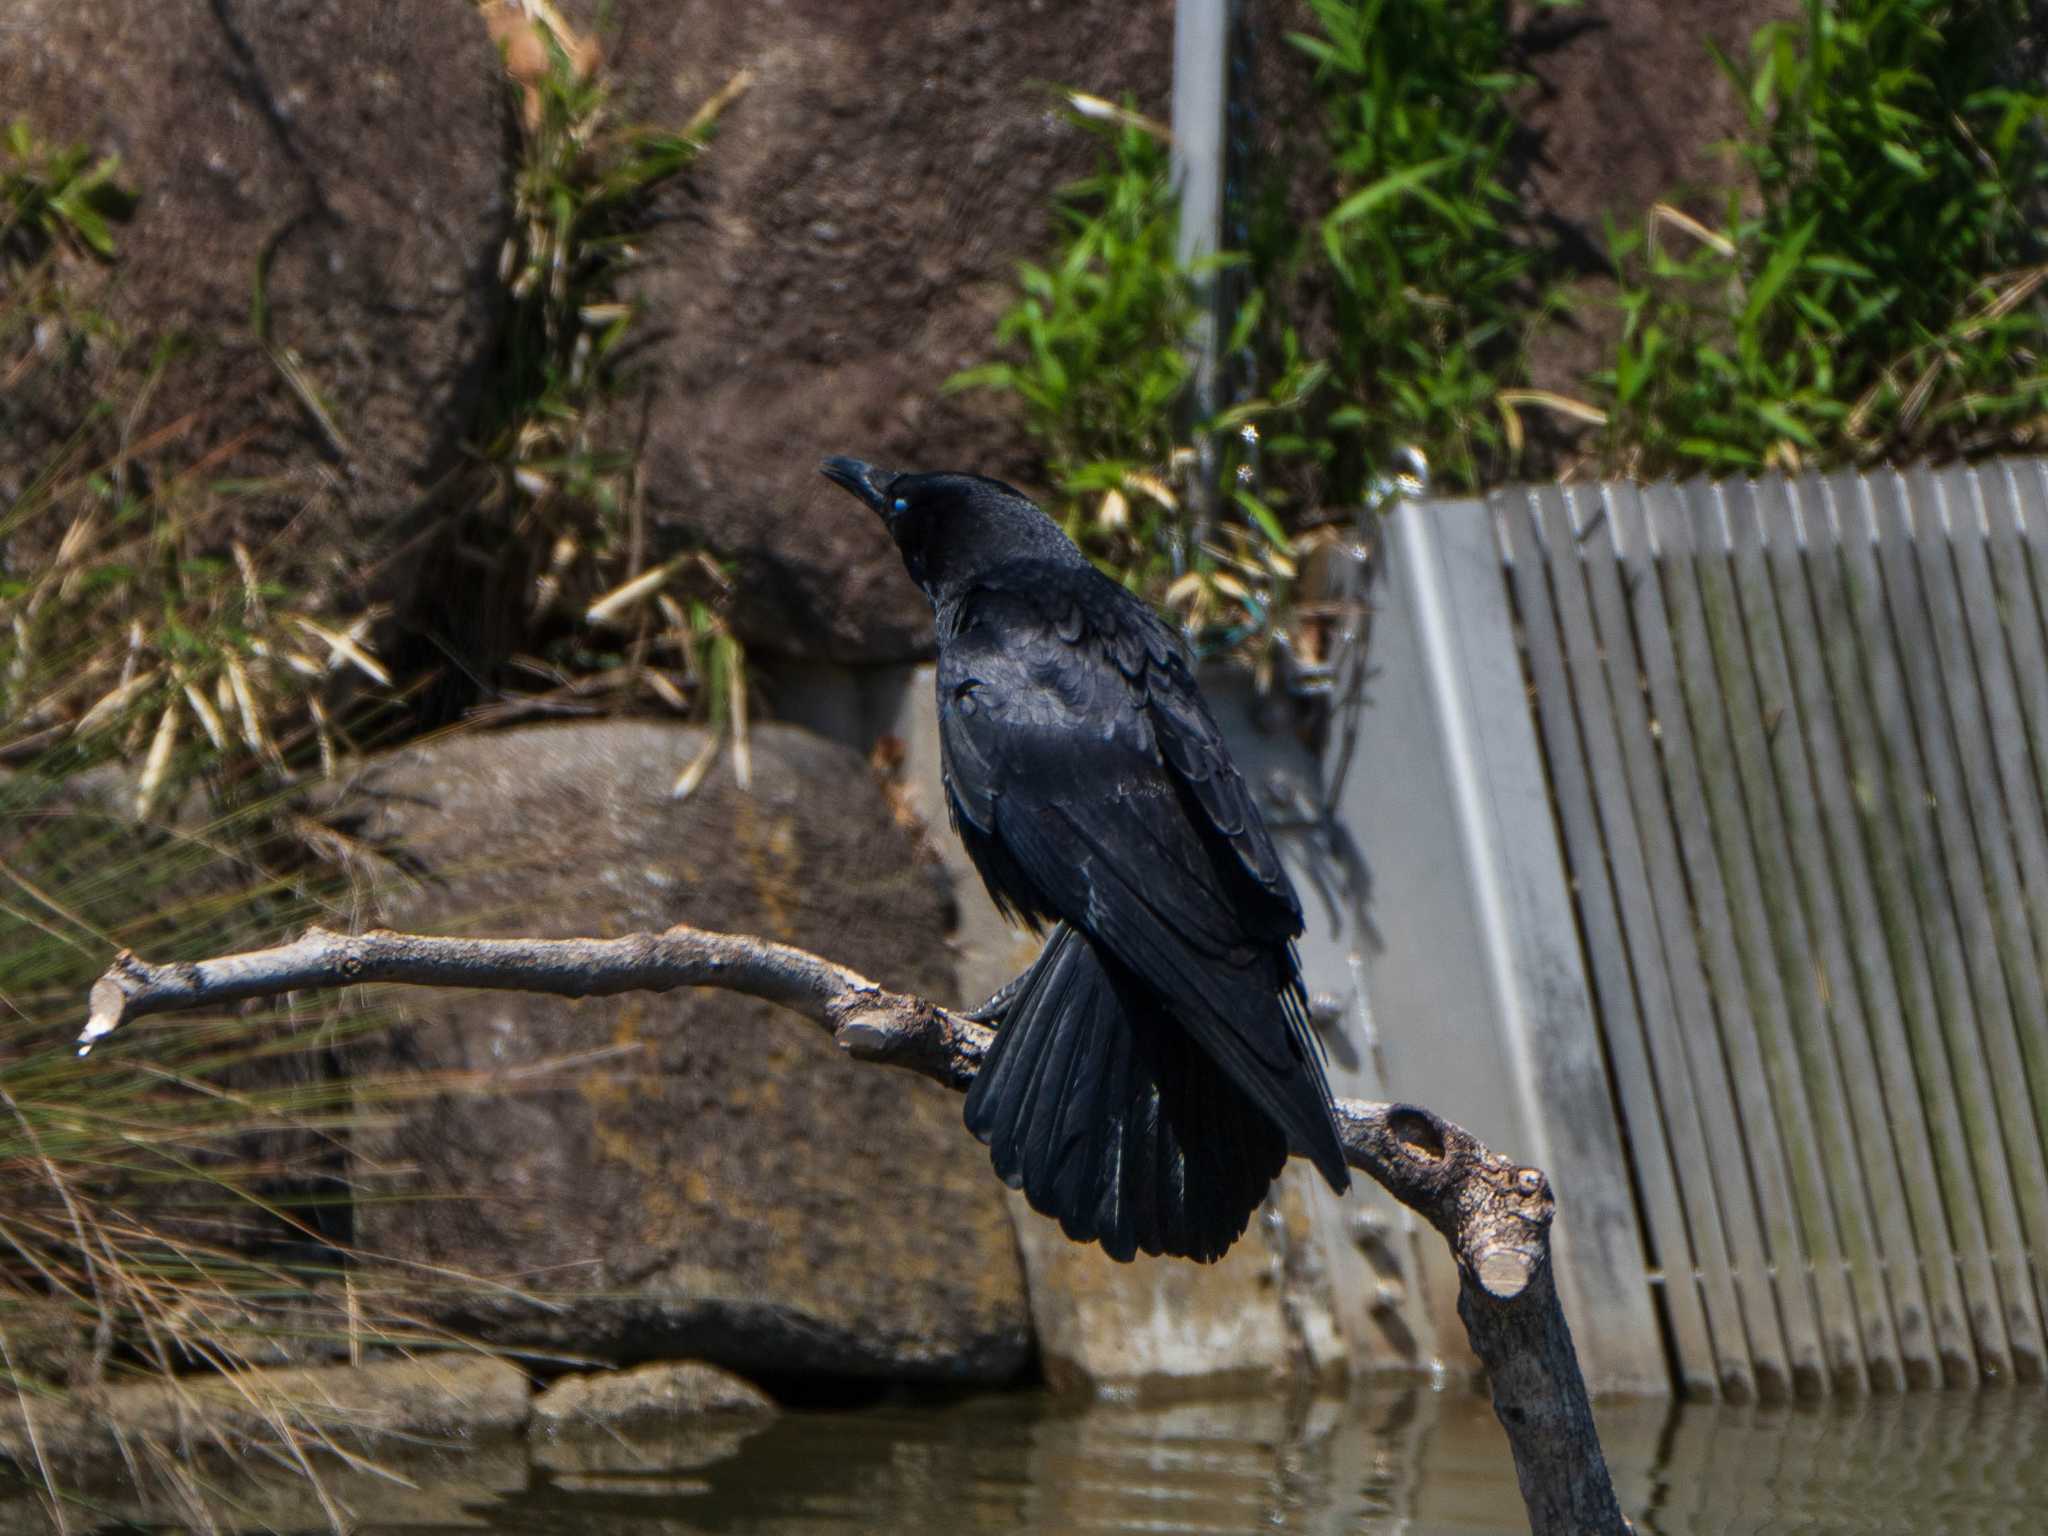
(1420, 1134)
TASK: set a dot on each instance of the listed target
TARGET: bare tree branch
(1493, 1212)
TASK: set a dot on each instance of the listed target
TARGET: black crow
(1154, 1066)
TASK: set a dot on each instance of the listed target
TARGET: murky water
(1402, 1460)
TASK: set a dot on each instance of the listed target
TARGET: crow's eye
(902, 505)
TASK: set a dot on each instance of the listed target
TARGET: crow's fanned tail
(1094, 1104)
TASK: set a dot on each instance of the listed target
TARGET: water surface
(1404, 1460)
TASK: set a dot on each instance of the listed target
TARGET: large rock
(848, 244)
(721, 1184)
(448, 1396)
(350, 151)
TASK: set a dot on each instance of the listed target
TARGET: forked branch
(1494, 1213)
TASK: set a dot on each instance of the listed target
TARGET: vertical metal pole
(1201, 99)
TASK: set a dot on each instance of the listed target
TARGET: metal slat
(1483, 938)
(1690, 770)
(1797, 749)
(1691, 1071)
(1878, 1064)
(1903, 828)
(1981, 880)
(2004, 809)
(1712, 657)
(2006, 490)
(1602, 925)
(1882, 766)
(1705, 1353)
(1805, 921)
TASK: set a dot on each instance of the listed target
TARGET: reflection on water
(1402, 1460)
(1387, 1460)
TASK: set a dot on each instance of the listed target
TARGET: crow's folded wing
(1090, 785)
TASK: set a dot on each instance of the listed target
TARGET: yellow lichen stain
(620, 1147)
(767, 846)
(662, 1214)
(601, 1089)
(626, 1027)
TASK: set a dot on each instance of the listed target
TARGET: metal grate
(1797, 740)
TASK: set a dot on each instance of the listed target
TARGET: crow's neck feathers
(957, 530)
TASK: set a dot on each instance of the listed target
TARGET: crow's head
(953, 527)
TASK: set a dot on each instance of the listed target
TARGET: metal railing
(1793, 741)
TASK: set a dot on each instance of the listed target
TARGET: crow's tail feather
(1110, 1118)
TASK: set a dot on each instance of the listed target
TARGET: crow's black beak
(864, 480)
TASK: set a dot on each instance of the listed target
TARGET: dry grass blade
(344, 649)
(706, 116)
(2017, 293)
(209, 720)
(1153, 486)
(1104, 111)
(742, 751)
(609, 608)
(665, 689)
(158, 763)
(1679, 219)
(109, 707)
(244, 697)
(693, 772)
(292, 369)
(252, 585)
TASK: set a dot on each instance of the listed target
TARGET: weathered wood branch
(1493, 1212)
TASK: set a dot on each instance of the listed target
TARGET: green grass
(1412, 275)
(56, 197)
(1435, 280)
(1098, 362)
(1877, 289)
(1874, 292)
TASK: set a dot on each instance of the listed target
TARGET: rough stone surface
(847, 244)
(665, 1389)
(1101, 1322)
(719, 1183)
(1630, 106)
(355, 151)
(670, 1416)
(451, 1395)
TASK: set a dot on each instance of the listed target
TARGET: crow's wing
(1091, 785)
